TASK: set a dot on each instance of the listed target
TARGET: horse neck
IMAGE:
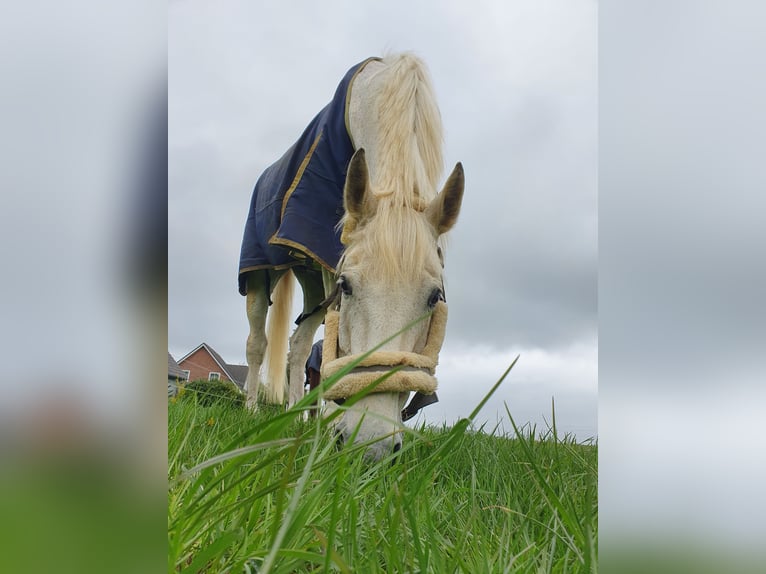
(394, 116)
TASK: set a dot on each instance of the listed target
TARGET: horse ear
(357, 183)
(442, 212)
(356, 196)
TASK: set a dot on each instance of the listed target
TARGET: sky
(517, 87)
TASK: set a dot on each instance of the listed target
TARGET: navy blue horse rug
(298, 201)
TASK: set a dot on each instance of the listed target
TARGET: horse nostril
(395, 457)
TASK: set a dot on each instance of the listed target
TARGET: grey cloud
(525, 245)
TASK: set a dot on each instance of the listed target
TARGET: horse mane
(408, 166)
(409, 159)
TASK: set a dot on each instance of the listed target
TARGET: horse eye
(436, 296)
(345, 286)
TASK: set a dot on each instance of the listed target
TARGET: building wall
(200, 364)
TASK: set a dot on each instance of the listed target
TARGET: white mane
(393, 115)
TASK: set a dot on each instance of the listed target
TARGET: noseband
(416, 370)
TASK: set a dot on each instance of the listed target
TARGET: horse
(353, 214)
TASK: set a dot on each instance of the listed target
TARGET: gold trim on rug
(302, 248)
(299, 175)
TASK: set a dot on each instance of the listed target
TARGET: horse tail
(277, 333)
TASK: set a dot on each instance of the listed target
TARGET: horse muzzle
(415, 370)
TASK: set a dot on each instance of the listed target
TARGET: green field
(272, 493)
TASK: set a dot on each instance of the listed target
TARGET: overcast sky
(517, 87)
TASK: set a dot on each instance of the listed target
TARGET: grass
(269, 492)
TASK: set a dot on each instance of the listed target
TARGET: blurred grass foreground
(273, 493)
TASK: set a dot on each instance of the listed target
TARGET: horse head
(391, 274)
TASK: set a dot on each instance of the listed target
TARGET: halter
(416, 371)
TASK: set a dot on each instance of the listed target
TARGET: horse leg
(303, 337)
(257, 303)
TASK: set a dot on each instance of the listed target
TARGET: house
(205, 363)
(175, 376)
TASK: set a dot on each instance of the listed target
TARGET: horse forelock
(395, 245)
